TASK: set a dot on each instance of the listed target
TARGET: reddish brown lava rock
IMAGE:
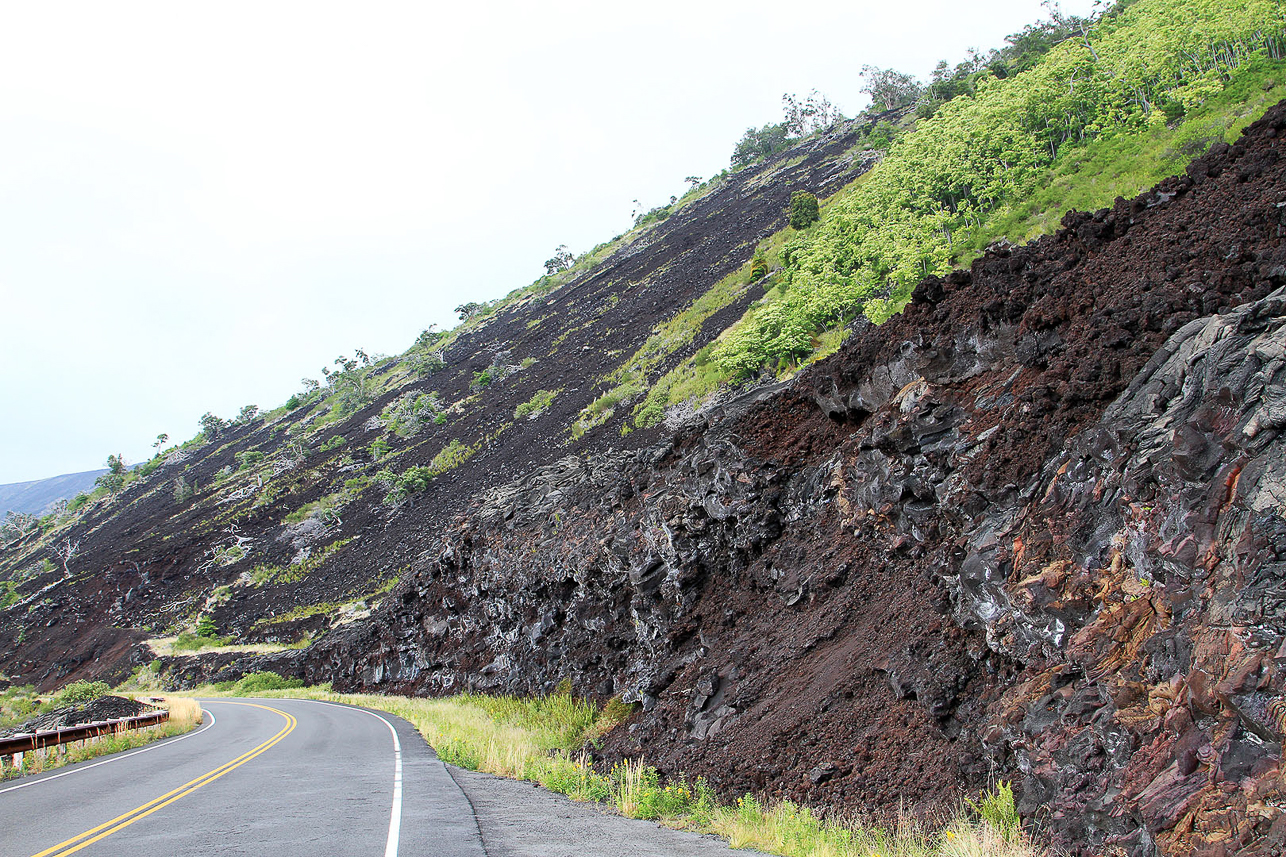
(1031, 528)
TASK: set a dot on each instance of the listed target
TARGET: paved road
(263, 777)
(287, 777)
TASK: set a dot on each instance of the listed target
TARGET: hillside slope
(33, 498)
(281, 525)
(1032, 528)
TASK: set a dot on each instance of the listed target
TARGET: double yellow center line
(89, 837)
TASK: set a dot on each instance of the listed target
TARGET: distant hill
(34, 497)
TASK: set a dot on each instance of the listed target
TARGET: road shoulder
(520, 819)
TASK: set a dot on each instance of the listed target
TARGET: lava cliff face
(1031, 528)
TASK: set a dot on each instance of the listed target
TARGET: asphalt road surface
(286, 777)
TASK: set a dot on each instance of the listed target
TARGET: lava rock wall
(1031, 528)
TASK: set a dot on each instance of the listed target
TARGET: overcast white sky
(202, 203)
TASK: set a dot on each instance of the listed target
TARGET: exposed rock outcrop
(1031, 528)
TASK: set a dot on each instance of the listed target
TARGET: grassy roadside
(540, 740)
(185, 715)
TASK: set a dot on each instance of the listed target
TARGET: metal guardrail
(54, 737)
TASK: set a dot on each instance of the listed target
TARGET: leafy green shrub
(114, 479)
(205, 627)
(182, 490)
(246, 460)
(79, 692)
(536, 405)
(334, 443)
(481, 380)
(187, 641)
(379, 448)
(996, 808)
(411, 412)
(413, 480)
(661, 212)
(803, 212)
(260, 681)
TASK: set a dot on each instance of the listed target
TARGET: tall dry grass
(185, 715)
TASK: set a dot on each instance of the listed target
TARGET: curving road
(288, 777)
(279, 777)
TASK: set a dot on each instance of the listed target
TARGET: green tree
(889, 88)
(803, 209)
(350, 383)
(212, 426)
(760, 143)
(813, 114)
(560, 261)
(114, 479)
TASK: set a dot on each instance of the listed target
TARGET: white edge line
(395, 816)
(114, 757)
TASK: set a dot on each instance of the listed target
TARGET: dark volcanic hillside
(278, 530)
(1031, 528)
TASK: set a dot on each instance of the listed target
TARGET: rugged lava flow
(1032, 528)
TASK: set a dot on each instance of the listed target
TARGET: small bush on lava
(261, 681)
(536, 405)
(79, 692)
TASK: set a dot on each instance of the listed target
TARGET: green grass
(536, 405)
(262, 575)
(601, 409)
(699, 377)
(304, 611)
(451, 456)
(186, 641)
